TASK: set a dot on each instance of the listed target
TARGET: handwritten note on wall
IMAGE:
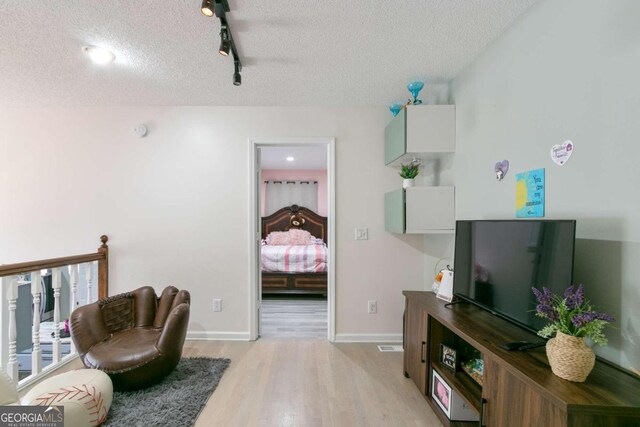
(530, 194)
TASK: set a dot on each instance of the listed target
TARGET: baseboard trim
(217, 336)
(373, 338)
(340, 338)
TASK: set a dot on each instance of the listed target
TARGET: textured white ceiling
(331, 52)
(308, 157)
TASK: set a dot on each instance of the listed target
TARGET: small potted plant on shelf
(409, 172)
(572, 319)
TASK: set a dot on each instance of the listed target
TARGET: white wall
(175, 204)
(566, 70)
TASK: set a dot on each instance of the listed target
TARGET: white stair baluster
(89, 277)
(36, 355)
(12, 297)
(56, 279)
(73, 278)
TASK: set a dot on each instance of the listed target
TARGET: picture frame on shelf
(449, 357)
(447, 399)
(441, 393)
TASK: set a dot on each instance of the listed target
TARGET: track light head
(225, 43)
(237, 78)
(224, 48)
(207, 8)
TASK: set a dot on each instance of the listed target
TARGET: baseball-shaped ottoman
(86, 395)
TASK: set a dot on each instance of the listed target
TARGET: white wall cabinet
(425, 132)
(420, 131)
(420, 210)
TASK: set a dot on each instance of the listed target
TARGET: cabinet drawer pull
(422, 347)
(483, 401)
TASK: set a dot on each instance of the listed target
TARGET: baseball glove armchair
(135, 337)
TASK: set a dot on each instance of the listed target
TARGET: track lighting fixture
(219, 8)
(207, 8)
(225, 44)
(237, 78)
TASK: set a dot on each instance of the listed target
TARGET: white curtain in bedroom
(279, 194)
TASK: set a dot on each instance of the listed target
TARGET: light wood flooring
(294, 318)
(297, 382)
(308, 382)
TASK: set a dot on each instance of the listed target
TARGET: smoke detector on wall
(141, 130)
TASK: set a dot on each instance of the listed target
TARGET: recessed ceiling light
(290, 159)
(99, 55)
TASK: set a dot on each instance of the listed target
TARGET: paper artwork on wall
(501, 169)
(560, 153)
(530, 194)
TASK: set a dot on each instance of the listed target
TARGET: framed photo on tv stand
(453, 406)
(448, 357)
(441, 393)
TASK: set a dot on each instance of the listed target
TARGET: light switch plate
(362, 234)
(372, 306)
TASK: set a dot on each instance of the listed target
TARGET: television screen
(497, 263)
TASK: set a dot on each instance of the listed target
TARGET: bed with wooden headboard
(294, 283)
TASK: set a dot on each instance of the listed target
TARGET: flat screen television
(497, 262)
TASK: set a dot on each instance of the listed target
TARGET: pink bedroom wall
(297, 175)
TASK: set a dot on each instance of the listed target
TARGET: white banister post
(73, 278)
(56, 279)
(36, 288)
(4, 322)
(89, 277)
(12, 297)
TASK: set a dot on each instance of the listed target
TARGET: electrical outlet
(372, 307)
(217, 304)
(362, 234)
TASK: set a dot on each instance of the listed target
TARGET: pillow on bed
(316, 241)
(292, 237)
(300, 237)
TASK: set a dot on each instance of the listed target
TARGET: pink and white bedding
(294, 259)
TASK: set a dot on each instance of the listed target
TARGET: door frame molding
(254, 229)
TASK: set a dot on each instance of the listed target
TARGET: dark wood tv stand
(518, 388)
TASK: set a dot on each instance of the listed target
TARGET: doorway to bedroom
(293, 218)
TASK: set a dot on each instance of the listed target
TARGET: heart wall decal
(560, 153)
(501, 169)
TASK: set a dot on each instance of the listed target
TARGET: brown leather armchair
(134, 337)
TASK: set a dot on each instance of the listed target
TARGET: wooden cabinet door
(511, 402)
(415, 345)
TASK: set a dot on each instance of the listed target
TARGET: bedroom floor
(294, 318)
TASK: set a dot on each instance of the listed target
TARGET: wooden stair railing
(8, 276)
(102, 256)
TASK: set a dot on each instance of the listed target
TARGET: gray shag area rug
(176, 401)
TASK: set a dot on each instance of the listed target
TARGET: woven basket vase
(570, 358)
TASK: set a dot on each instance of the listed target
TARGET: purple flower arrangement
(572, 314)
